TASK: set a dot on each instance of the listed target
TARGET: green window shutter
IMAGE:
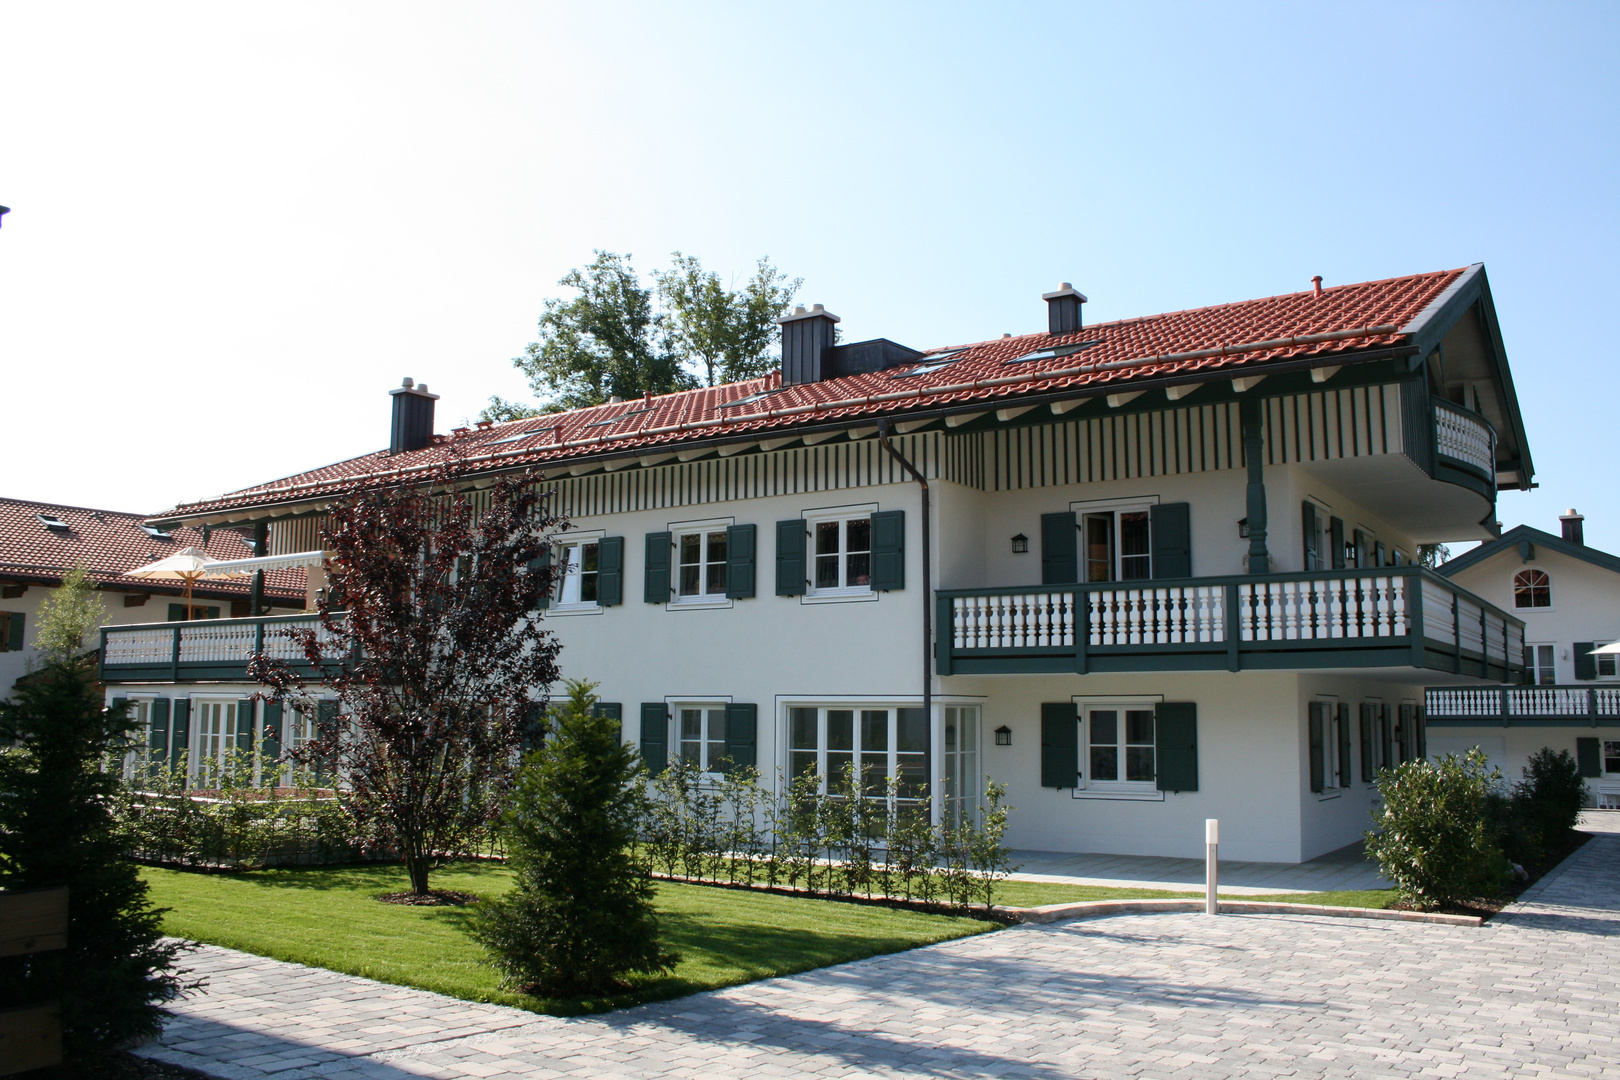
(1318, 746)
(1345, 775)
(741, 542)
(1368, 720)
(1313, 555)
(157, 739)
(1060, 745)
(179, 730)
(614, 711)
(610, 571)
(1060, 549)
(655, 588)
(1336, 543)
(1586, 757)
(120, 706)
(655, 736)
(1363, 549)
(541, 564)
(270, 749)
(888, 550)
(1409, 736)
(14, 632)
(1175, 731)
(790, 557)
(742, 736)
(177, 613)
(246, 713)
(326, 717)
(1386, 734)
(1171, 526)
(1379, 556)
(1420, 724)
(1585, 662)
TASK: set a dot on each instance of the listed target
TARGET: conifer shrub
(1434, 838)
(580, 916)
(57, 828)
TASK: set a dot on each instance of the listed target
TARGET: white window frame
(1114, 507)
(141, 705)
(1609, 660)
(701, 599)
(1124, 790)
(843, 591)
(1604, 757)
(563, 556)
(200, 710)
(1331, 788)
(1533, 668)
(1513, 590)
(857, 751)
(1324, 535)
(706, 702)
(963, 774)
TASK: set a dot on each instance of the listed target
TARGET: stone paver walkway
(1529, 994)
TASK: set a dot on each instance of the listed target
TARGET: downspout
(927, 591)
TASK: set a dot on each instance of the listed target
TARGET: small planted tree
(59, 785)
(1433, 838)
(430, 640)
(67, 616)
(580, 915)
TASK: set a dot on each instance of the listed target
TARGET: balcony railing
(201, 650)
(1465, 438)
(1399, 616)
(1526, 706)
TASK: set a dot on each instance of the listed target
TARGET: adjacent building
(1568, 595)
(1143, 572)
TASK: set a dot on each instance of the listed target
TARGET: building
(1143, 572)
(1568, 595)
(40, 542)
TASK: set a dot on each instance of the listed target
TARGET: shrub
(1534, 820)
(580, 915)
(1433, 838)
(56, 829)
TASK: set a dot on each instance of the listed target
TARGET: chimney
(1573, 532)
(807, 338)
(1063, 309)
(413, 417)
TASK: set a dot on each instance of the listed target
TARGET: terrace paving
(1530, 993)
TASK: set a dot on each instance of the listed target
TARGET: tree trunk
(416, 865)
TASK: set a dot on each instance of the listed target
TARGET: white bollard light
(1212, 841)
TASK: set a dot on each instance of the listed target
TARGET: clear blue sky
(236, 226)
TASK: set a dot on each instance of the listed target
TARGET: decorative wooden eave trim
(1323, 374)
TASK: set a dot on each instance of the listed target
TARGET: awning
(233, 567)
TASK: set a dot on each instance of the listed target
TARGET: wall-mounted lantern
(1020, 544)
(1243, 528)
(1003, 735)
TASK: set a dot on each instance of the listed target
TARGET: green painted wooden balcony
(1522, 706)
(1392, 617)
(204, 650)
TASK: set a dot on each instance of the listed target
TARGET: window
(214, 725)
(11, 630)
(1329, 745)
(961, 763)
(842, 553)
(140, 718)
(300, 729)
(155, 533)
(702, 735)
(1117, 545)
(702, 557)
(932, 364)
(884, 743)
(1119, 745)
(576, 578)
(1611, 756)
(1532, 589)
(181, 613)
(1315, 521)
(1540, 665)
(1608, 664)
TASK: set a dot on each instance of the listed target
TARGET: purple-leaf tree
(431, 643)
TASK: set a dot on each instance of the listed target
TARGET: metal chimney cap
(1065, 289)
(408, 384)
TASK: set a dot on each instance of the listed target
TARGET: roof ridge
(66, 506)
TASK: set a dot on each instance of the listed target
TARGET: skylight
(749, 400)
(616, 419)
(520, 436)
(158, 534)
(51, 521)
(1052, 353)
(932, 364)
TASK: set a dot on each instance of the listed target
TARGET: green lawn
(326, 917)
(1039, 893)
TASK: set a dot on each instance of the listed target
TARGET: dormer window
(1532, 589)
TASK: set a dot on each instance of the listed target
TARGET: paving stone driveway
(1531, 994)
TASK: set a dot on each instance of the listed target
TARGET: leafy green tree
(68, 615)
(580, 917)
(1433, 837)
(605, 342)
(1432, 555)
(726, 333)
(57, 828)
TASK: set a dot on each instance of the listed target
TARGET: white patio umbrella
(188, 566)
(1611, 649)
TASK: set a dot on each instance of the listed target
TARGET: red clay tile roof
(1225, 340)
(108, 542)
